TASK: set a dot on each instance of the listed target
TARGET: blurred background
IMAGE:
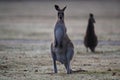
(35, 19)
(26, 32)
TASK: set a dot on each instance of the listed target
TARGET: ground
(26, 33)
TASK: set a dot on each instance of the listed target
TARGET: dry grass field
(26, 32)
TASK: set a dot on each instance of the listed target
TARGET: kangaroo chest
(60, 27)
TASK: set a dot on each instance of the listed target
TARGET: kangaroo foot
(70, 71)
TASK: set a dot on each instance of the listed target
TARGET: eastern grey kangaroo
(60, 29)
(90, 39)
(65, 52)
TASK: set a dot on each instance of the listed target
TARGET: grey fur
(64, 54)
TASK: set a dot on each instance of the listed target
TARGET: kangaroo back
(90, 40)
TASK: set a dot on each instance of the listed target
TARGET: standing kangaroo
(90, 40)
(60, 29)
(62, 48)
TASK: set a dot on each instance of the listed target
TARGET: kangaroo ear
(64, 8)
(57, 8)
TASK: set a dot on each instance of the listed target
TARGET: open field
(26, 32)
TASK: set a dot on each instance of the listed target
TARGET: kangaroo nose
(60, 16)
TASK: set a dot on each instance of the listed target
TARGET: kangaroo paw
(56, 44)
(61, 46)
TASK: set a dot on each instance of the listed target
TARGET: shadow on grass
(73, 72)
(112, 51)
(79, 71)
(99, 52)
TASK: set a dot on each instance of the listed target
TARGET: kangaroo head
(60, 12)
(92, 18)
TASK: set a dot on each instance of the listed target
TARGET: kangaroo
(90, 39)
(60, 29)
(64, 54)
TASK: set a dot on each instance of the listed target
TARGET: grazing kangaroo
(90, 39)
(64, 54)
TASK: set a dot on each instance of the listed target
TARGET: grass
(26, 33)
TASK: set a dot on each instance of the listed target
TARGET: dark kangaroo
(90, 39)
(64, 54)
